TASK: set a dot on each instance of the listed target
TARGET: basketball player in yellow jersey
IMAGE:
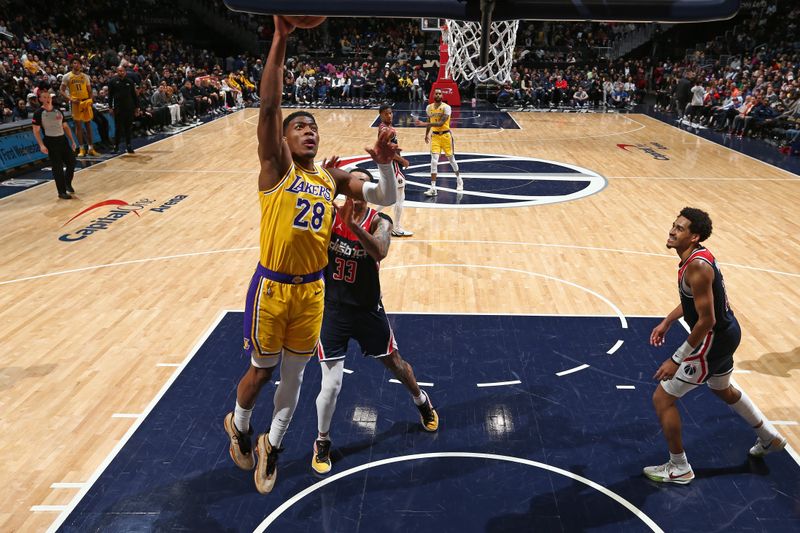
(442, 141)
(283, 312)
(77, 86)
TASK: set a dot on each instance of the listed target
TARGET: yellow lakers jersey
(296, 220)
(77, 85)
(435, 114)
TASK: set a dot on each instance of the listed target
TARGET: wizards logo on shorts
(490, 180)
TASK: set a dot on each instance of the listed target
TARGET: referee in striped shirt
(50, 121)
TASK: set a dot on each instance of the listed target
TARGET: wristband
(683, 352)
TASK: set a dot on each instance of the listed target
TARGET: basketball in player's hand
(304, 22)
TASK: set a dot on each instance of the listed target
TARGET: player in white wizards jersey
(399, 163)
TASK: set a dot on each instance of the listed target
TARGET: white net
(464, 45)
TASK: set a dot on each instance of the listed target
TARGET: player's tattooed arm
(382, 234)
(376, 241)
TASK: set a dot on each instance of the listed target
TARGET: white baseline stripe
(500, 383)
(572, 370)
(626, 387)
(616, 347)
(131, 430)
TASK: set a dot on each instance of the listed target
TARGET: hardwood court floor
(87, 327)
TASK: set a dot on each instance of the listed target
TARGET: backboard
(472, 10)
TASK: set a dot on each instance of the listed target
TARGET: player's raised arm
(384, 192)
(273, 152)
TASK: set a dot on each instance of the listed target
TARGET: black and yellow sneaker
(430, 419)
(321, 460)
(267, 469)
(241, 448)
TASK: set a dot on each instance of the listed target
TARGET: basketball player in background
(399, 163)
(353, 309)
(283, 312)
(707, 354)
(438, 126)
(77, 87)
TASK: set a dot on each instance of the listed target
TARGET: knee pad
(453, 163)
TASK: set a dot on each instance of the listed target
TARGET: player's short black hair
(699, 222)
(364, 171)
(294, 115)
(383, 108)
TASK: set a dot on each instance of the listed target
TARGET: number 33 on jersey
(296, 218)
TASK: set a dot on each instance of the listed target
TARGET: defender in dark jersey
(353, 309)
(707, 354)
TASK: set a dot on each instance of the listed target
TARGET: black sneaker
(267, 470)
(130, 149)
(115, 149)
(241, 448)
(64, 196)
(321, 460)
(430, 419)
(70, 189)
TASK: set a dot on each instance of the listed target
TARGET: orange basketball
(304, 22)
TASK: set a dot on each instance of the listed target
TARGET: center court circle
(491, 180)
(460, 455)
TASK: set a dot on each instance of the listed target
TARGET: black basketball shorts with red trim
(368, 326)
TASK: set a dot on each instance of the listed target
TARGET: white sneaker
(669, 472)
(460, 184)
(760, 449)
(431, 192)
(400, 232)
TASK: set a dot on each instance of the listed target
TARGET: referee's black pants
(61, 156)
(123, 122)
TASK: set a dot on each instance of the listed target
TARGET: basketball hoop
(464, 45)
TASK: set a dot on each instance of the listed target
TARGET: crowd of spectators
(177, 84)
(753, 90)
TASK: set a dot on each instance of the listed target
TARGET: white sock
(433, 184)
(419, 400)
(766, 432)
(678, 459)
(332, 373)
(241, 418)
(753, 416)
(286, 395)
